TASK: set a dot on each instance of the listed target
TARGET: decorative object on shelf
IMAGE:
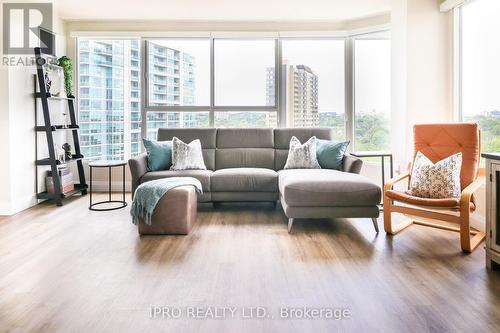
(48, 82)
(66, 180)
(53, 79)
(67, 66)
(57, 156)
(65, 119)
(60, 154)
(67, 150)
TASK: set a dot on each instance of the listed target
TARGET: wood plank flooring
(69, 269)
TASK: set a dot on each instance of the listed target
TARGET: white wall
(422, 69)
(422, 76)
(4, 142)
(17, 119)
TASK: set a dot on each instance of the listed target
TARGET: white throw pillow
(302, 156)
(187, 156)
(436, 181)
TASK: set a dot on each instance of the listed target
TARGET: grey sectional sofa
(246, 164)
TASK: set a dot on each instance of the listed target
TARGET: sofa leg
(375, 224)
(290, 222)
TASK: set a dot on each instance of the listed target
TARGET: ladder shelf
(41, 94)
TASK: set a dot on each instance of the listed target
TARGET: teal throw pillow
(159, 154)
(330, 153)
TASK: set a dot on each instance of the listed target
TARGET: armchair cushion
(438, 141)
(437, 203)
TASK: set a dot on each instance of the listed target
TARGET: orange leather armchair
(438, 141)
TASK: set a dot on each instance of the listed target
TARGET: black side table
(109, 165)
(382, 156)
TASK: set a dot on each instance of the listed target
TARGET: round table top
(106, 163)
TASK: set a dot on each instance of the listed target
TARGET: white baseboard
(5, 209)
(21, 204)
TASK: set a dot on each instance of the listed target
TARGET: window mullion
(349, 91)
(144, 89)
(211, 115)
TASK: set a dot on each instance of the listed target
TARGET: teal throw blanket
(149, 193)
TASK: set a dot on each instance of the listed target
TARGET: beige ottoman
(174, 214)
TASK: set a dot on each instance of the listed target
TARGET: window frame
(457, 64)
(380, 35)
(348, 37)
(212, 107)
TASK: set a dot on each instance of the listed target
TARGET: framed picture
(54, 80)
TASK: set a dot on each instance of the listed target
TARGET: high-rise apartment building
(109, 94)
(301, 88)
(110, 115)
(172, 82)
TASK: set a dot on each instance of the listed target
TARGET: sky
(481, 52)
(240, 70)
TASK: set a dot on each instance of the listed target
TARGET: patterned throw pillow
(187, 156)
(302, 156)
(436, 181)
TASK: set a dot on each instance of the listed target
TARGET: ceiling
(221, 10)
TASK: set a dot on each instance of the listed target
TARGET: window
(246, 119)
(232, 82)
(479, 100)
(178, 72)
(162, 119)
(372, 94)
(244, 69)
(109, 114)
(313, 81)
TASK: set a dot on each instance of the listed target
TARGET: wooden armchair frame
(467, 242)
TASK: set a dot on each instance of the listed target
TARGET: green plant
(67, 66)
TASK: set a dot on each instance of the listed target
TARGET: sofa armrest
(352, 164)
(138, 167)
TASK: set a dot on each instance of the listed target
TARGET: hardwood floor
(69, 269)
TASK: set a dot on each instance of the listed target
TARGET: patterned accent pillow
(302, 156)
(187, 156)
(436, 181)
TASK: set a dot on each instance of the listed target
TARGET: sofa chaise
(246, 164)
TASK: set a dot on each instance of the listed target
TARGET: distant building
(109, 95)
(109, 109)
(494, 113)
(301, 86)
(172, 82)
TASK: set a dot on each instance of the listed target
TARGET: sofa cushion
(202, 175)
(245, 138)
(244, 180)
(324, 187)
(244, 158)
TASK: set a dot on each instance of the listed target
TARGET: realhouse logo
(25, 26)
